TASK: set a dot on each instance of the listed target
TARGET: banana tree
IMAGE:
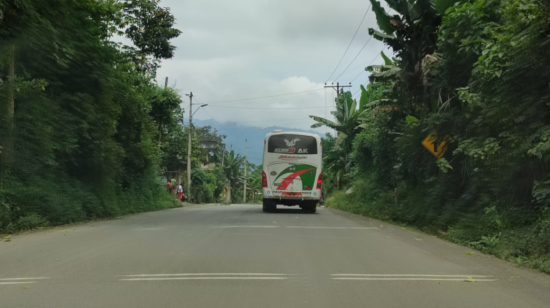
(338, 163)
(350, 117)
(347, 120)
(233, 169)
(411, 33)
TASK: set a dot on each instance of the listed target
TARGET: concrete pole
(245, 167)
(189, 147)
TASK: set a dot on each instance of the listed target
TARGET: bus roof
(294, 133)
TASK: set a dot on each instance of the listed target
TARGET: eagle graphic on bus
(291, 143)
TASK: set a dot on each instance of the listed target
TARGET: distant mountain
(237, 133)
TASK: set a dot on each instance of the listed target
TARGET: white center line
(298, 227)
(206, 274)
(408, 279)
(413, 275)
(224, 227)
(205, 278)
(17, 282)
(342, 228)
(29, 278)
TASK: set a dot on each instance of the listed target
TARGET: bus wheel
(309, 207)
(312, 207)
(269, 206)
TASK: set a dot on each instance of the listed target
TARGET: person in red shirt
(169, 187)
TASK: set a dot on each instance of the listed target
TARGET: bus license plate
(292, 194)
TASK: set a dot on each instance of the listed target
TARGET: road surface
(238, 256)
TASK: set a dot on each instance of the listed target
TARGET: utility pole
(166, 83)
(223, 154)
(189, 146)
(245, 167)
(338, 86)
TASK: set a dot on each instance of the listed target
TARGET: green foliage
(477, 72)
(83, 141)
(410, 119)
(443, 165)
(31, 221)
(149, 27)
(233, 169)
(348, 118)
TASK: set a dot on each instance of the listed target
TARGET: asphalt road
(238, 256)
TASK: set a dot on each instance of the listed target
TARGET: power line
(357, 76)
(280, 102)
(253, 98)
(378, 55)
(357, 55)
(356, 92)
(358, 27)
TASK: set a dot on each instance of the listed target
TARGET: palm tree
(233, 168)
(335, 161)
(350, 118)
(346, 119)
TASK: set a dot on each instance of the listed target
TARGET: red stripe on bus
(291, 177)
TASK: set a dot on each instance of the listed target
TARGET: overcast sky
(241, 49)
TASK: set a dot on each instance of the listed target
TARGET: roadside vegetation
(474, 74)
(85, 130)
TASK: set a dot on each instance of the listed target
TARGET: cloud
(241, 49)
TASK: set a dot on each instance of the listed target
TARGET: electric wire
(255, 98)
(345, 52)
(357, 55)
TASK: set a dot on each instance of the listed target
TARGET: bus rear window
(292, 144)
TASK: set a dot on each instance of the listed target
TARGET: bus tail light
(264, 180)
(319, 181)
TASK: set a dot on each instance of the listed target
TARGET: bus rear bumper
(292, 201)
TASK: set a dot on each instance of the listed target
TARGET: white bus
(291, 171)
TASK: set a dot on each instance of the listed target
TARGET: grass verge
(510, 233)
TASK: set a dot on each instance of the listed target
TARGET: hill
(237, 133)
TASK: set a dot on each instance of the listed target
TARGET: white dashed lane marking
(227, 227)
(412, 277)
(17, 282)
(20, 280)
(205, 276)
(332, 228)
(297, 227)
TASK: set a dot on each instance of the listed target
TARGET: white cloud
(240, 49)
